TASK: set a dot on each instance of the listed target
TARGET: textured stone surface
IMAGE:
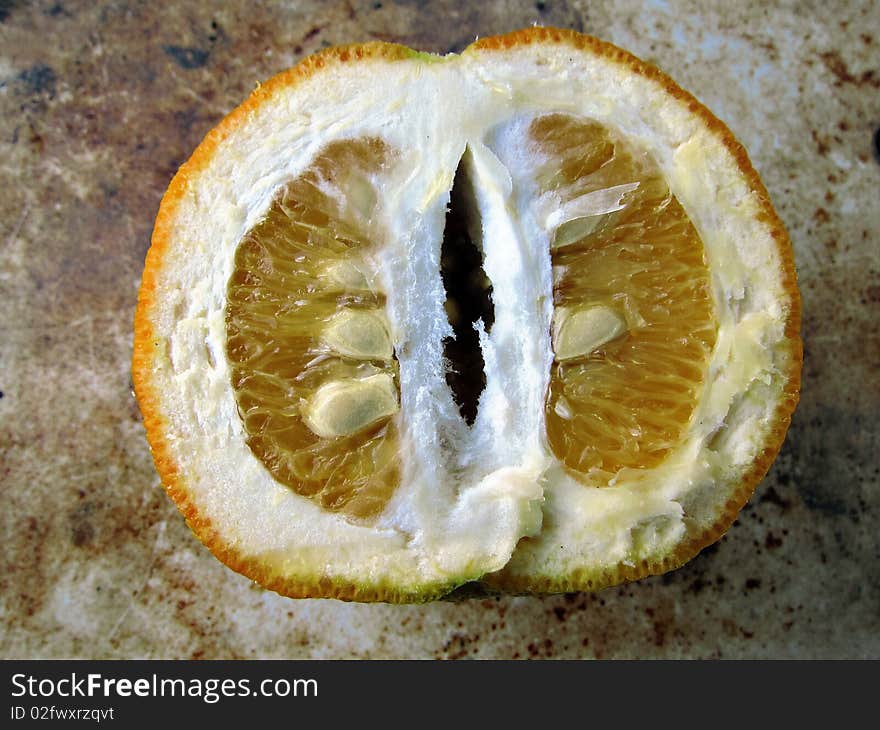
(99, 104)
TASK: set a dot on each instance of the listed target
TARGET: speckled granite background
(102, 101)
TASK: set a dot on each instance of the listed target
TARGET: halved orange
(523, 315)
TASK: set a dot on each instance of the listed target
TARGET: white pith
(468, 495)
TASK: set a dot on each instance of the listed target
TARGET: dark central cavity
(468, 295)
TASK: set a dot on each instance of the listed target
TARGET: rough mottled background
(102, 101)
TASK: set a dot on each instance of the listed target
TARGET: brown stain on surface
(836, 65)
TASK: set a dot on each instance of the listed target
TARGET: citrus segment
(312, 358)
(634, 323)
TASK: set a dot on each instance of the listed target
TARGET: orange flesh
(624, 405)
(627, 403)
(279, 300)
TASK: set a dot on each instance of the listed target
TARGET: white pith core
(468, 494)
